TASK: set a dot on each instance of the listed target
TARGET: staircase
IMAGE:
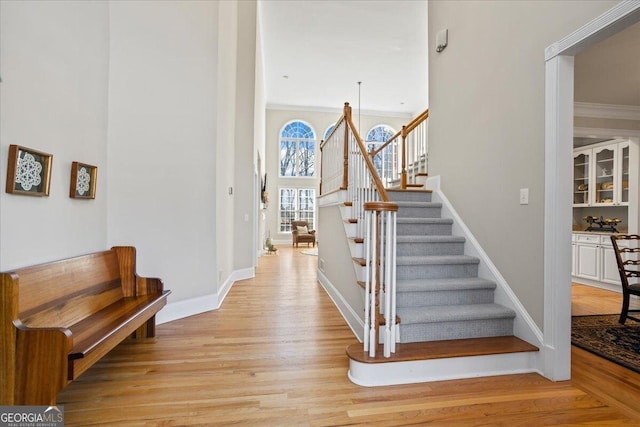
(450, 325)
(424, 300)
(439, 293)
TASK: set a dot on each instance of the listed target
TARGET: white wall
(53, 98)
(259, 131)
(245, 198)
(162, 140)
(319, 121)
(486, 126)
(225, 134)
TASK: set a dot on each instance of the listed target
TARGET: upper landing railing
(411, 161)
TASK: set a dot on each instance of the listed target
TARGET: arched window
(385, 160)
(380, 133)
(328, 131)
(297, 150)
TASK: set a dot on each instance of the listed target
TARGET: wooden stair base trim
(347, 204)
(351, 221)
(421, 174)
(358, 240)
(360, 261)
(406, 352)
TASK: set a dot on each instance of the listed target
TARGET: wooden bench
(59, 318)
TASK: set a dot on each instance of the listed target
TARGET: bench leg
(147, 330)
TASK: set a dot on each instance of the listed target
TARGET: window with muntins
(297, 150)
(296, 204)
(383, 161)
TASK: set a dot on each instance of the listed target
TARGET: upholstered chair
(301, 233)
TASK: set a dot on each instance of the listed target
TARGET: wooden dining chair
(628, 259)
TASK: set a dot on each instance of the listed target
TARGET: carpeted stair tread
(436, 260)
(456, 284)
(430, 239)
(409, 220)
(453, 313)
(417, 204)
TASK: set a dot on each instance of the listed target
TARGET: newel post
(403, 176)
(345, 171)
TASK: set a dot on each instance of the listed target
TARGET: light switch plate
(524, 196)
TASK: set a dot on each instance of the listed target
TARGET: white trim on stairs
(190, 307)
(420, 371)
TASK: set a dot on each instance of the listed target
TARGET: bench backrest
(61, 293)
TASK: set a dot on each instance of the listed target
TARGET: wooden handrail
(382, 192)
(373, 153)
(416, 121)
(406, 129)
(335, 127)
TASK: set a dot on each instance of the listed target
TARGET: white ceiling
(325, 47)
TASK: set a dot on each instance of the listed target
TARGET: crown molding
(585, 132)
(606, 111)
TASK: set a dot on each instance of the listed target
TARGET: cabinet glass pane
(624, 166)
(581, 179)
(605, 185)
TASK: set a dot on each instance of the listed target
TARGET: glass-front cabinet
(601, 175)
(581, 177)
(623, 149)
(605, 182)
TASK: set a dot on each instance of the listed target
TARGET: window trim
(296, 210)
(297, 141)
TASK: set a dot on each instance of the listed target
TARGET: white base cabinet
(594, 261)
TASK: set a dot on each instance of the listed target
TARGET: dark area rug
(604, 336)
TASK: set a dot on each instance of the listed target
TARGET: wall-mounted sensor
(441, 40)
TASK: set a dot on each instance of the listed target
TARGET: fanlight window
(297, 150)
(385, 160)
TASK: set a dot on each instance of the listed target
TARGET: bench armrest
(42, 364)
(148, 285)
(132, 284)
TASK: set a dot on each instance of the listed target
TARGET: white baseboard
(190, 307)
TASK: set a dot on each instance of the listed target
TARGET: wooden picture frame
(28, 171)
(83, 181)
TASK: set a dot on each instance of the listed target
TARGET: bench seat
(94, 336)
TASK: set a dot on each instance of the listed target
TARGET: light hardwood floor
(274, 355)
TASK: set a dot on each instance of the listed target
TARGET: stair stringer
(524, 327)
(339, 249)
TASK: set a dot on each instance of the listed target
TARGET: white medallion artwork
(28, 173)
(83, 181)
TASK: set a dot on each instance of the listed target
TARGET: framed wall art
(28, 171)
(83, 181)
